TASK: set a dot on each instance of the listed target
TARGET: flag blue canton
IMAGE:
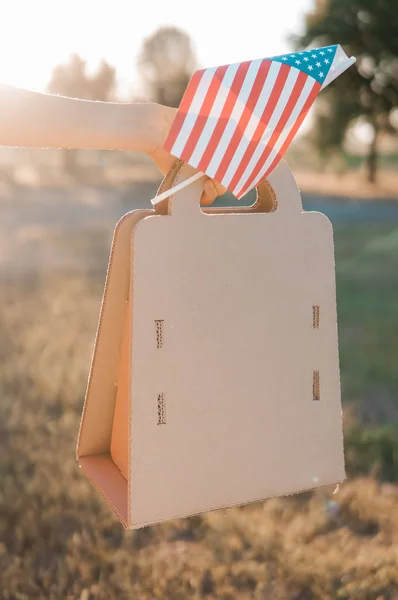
(315, 63)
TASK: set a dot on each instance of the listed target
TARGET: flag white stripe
(234, 117)
(214, 115)
(305, 92)
(254, 121)
(194, 109)
(276, 115)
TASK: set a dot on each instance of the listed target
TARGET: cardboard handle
(286, 189)
(265, 200)
(278, 193)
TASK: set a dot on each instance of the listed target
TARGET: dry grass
(59, 541)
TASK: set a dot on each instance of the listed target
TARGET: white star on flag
(235, 122)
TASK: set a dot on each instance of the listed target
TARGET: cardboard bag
(215, 375)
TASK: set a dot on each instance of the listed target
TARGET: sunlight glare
(36, 36)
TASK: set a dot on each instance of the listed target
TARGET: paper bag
(215, 375)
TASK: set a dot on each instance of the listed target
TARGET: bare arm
(41, 120)
(33, 119)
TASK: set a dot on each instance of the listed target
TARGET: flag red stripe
(297, 89)
(261, 127)
(204, 113)
(185, 104)
(244, 119)
(309, 102)
(225, 115)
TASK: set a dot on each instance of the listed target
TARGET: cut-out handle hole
(264, 202)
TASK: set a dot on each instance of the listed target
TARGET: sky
(37, 35)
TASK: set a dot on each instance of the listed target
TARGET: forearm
(40, 120)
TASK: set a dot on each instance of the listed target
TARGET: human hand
(162, 118)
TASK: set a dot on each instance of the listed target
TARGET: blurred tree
(72, 80)
(367, 92)
(166, 63)
(102, 84)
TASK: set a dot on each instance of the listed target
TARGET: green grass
(367, 300)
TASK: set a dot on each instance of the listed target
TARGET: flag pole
(176, 188)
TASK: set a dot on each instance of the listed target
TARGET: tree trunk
(371, 159)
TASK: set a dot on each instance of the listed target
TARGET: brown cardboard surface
(236, 293)
(234, 375)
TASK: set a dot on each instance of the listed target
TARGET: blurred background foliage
(166, 63)
(368, 93)
(57, 213)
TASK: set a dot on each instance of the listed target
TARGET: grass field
(367, 293)
(59, 541)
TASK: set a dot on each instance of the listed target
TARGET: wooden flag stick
(176, 188)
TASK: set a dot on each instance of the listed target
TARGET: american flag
(235, 122)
